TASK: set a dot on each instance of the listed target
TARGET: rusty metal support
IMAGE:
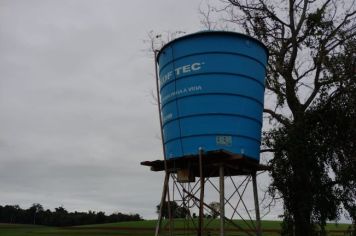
(222, 200)
(257, 209)
(201, 200)
(213, 210)
(163, 198)
(166, 187)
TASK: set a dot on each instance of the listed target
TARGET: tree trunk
(303, 196)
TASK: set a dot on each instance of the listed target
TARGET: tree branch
(267, 150)
(280, 118)
(337, 29)
(263, 8)
(272, 14)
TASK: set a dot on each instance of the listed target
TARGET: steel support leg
(201, 199)
(163, 199)
(222, 200)
(257, 209)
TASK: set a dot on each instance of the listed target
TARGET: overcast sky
(77, 115)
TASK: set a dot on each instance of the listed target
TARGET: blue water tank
(212, 90)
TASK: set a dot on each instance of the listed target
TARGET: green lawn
(140, 228)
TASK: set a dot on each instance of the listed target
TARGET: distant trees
(215, 206)
(180, 211)
(176, 210)
(36, 214)
(34, 209)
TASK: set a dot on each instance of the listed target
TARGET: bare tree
(305, 39)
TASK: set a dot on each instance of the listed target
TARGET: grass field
(141, 228)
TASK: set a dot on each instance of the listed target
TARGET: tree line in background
(36, 214)
(180, 211)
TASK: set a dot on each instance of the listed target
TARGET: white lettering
(186, 68)
(166, 77)
(180, 71)
(177, 70)
(183, 91)
(196, 66)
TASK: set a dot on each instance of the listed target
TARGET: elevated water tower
(210, 89)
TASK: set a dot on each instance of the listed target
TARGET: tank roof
(212, 32)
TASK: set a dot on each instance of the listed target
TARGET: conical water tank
(212, 90)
